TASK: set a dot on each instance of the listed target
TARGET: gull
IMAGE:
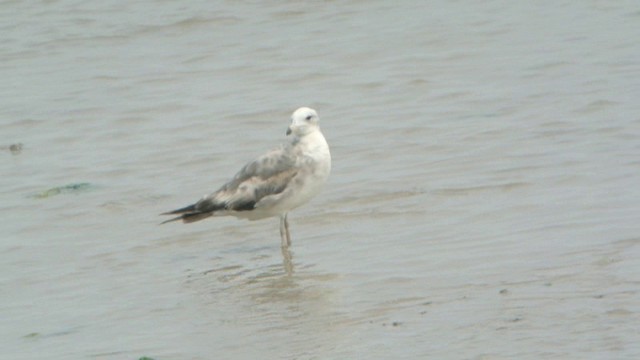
(274, 183)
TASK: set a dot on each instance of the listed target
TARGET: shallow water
(483, 202)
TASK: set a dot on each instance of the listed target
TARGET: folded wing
(265, 177)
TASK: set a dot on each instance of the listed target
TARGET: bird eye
(308, 117)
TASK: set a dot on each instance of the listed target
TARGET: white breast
(314, 167)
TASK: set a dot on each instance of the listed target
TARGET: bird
(274, 183)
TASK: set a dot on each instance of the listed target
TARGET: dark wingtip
(182, 211)
(186, 209)
(170, 220)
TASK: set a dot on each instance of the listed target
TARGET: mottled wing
(260, 179)
(267, 175)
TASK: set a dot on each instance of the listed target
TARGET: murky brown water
(483, 203)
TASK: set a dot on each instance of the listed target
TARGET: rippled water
(483, 203)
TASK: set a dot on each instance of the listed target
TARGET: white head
(303, 121)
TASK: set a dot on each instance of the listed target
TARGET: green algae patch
(65, 189)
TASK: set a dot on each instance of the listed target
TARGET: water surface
(483, 202)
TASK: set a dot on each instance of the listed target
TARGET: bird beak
(289, 131)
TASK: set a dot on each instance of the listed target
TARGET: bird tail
(187, 214)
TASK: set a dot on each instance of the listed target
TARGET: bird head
(303, 121)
